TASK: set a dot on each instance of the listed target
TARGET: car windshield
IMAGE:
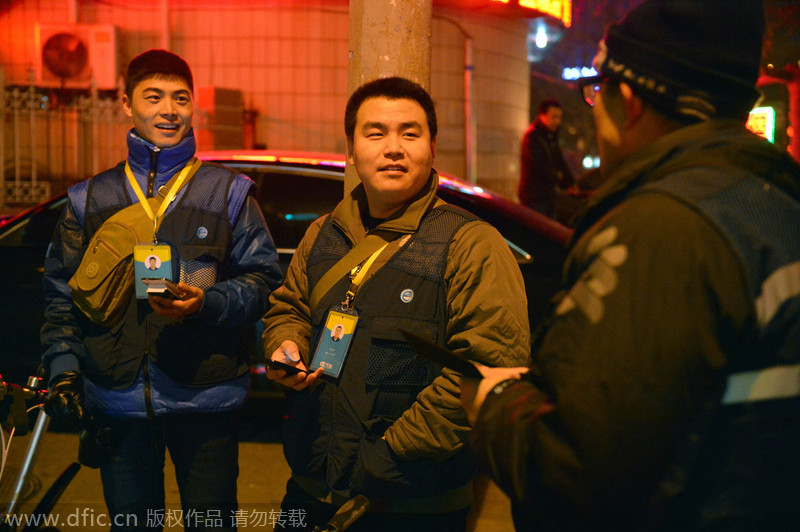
(291, 198)
(35, 229)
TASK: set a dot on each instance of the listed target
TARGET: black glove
(64, 401)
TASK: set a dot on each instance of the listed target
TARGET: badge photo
(334, 342)
(151, 262)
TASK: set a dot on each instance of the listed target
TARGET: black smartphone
(290, 370)
(443, 356)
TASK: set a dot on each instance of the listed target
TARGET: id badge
(334, 341)
(151, 261)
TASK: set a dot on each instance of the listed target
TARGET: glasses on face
(588, 87)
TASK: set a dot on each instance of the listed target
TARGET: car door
(23, 244)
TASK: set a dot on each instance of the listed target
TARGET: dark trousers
(204, 449)
(310, 512)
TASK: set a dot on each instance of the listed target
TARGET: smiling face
(392, 152)
(161, 109)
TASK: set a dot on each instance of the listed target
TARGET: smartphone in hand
(290, 370)
(163, 288)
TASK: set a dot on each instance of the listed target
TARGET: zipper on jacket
(148, 400)
(151, 178)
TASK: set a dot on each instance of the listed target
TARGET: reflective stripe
(778, 382)
(781, 285)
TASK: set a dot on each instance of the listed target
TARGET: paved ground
(262, 477)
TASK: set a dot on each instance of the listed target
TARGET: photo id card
(334, 341)
(151, 262)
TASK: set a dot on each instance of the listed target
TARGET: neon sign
(560, 9)
(573, 73)
(762, 122)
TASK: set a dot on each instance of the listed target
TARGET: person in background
(665, 391)
(390, 425)
(543, 169)
(172, 373)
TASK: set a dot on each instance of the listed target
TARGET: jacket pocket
(393, 365)
(395, 373)
(199, 265)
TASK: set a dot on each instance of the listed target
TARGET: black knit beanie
(692, 60)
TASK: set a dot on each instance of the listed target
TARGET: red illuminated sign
(560, 9)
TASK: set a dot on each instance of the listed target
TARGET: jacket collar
(142, 154)
(714, 144)
(347, 214)
(543, 130)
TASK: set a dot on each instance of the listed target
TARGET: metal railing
(51, 138)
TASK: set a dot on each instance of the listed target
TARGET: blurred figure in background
(542, 165)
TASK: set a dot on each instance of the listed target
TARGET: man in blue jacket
(172, 372)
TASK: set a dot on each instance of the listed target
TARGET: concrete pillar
(388, 38)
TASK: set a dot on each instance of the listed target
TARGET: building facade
(269, 74)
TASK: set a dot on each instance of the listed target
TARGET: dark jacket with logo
(666, 389)
(219, 234)
(391, 426)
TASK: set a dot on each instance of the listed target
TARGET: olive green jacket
(487, 315)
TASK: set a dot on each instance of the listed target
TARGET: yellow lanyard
(191, 166)
(357, 275)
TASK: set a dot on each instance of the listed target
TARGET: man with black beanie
(665, 390)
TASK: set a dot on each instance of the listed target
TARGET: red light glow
(307, 160)
(560, 9)
(266, 158)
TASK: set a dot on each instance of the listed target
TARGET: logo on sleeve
(600, 278)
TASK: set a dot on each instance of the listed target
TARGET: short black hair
(546, 105)
(156, 63)
(392, 88)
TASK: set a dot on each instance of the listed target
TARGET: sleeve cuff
(62, 364)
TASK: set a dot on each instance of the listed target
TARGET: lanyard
(191, 166)
(357, 275)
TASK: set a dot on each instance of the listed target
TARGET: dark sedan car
(294, 189)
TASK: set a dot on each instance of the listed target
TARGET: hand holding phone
(163, 287)
(289, 369)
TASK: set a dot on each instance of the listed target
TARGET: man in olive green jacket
(390, 425)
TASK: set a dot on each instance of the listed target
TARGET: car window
(34, 230)
(292, 198)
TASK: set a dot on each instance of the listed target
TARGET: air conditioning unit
(70, 55)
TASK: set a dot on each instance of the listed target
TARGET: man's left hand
(190, 302)
(474, 391)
